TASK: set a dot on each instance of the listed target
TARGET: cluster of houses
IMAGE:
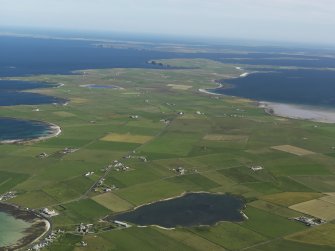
(110, 166)
(143, 158)
(88, 174)
(66, 150)
(121, 224)
(84, 228)
(109, 189)
(170, 104)
(165, 121)
(47, 240)
(101, 187)
(69, 150)
(48, 213)
(199, 113)
(7, 196)
(101, 182)
(309, 221)
(256, 168)
(83, 244)
(236, 116)
(180, 170)
(118, 166)
(42, 155)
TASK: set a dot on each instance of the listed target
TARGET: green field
(216, 148)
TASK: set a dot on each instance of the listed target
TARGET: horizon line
(84, 34)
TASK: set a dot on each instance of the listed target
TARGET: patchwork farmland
(155, 139)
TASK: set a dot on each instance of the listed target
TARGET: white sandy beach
(206, 91)
(299, 112)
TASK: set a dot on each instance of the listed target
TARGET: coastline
(302, 112)
(39, 225)
(291, 111)
(208, 91)
(94, 86)
(54, 129)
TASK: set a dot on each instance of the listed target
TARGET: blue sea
(22, 56)
(12, 129)
(280, 58)
(304, 87)
(12, 93)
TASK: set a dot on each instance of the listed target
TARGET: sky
(309, 21)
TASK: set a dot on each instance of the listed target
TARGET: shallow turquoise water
(11, 229)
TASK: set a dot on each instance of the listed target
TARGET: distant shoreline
(40, 226)
(209, 91)
(94, 86)
(292, 111)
